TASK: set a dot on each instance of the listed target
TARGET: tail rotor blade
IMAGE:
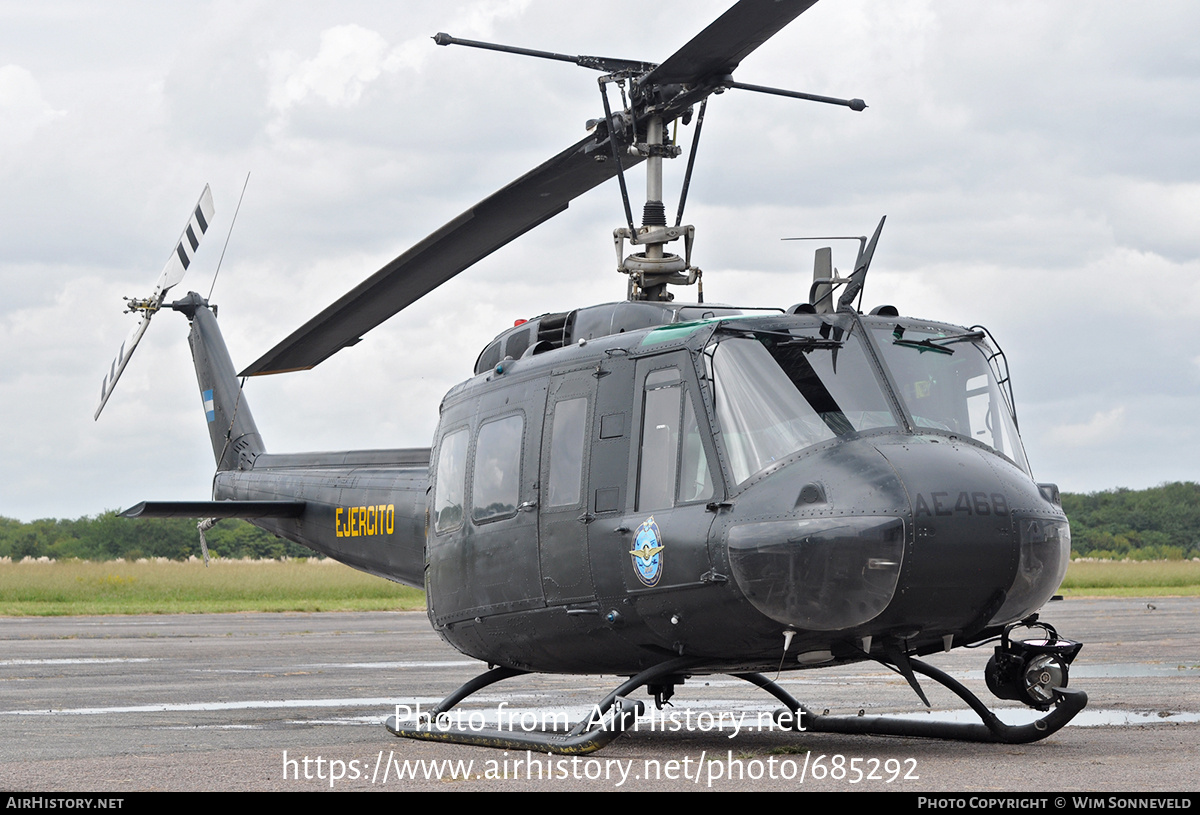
(118, 364)
(172, 273)
(189, 242)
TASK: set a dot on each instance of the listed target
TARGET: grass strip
(75, 587)
(1154, 578)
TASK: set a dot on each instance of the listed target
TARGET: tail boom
(363, 508)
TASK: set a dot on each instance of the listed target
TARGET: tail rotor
(172, 273)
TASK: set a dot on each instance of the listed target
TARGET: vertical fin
(235, 438)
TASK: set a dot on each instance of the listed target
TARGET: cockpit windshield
(946, 383)
(777, 392)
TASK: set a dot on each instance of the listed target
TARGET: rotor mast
(652, 270)
(654, 212)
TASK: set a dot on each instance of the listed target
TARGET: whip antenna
(227, 234)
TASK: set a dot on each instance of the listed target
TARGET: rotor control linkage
(653, 103)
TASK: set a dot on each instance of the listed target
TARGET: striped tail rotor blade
(172, 273)
(189, 242)
(122, 359)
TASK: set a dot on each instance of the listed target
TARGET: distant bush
(1160, 523)
(108, 537)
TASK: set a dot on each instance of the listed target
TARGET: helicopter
(663, 489)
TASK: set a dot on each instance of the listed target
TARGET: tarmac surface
(295, 702)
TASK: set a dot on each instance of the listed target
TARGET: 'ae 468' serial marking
(972, 503)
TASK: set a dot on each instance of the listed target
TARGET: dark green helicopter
(658, 489)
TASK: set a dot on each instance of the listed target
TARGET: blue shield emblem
(647, 553)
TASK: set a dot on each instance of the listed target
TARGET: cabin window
(695, 478)
(673, 467)
(567, 439)
(660, 440)
(496, 485)
(451, 475)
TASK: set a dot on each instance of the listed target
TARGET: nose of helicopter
(919, 536)
(963, 551)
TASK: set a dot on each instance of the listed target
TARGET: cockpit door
(671, 480)
(563, 519)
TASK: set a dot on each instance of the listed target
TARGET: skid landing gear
(606, 722)
(615, 713)
(1066, 703)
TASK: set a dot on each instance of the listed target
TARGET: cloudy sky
(1039, 164)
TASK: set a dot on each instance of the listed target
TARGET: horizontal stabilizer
(215, 509)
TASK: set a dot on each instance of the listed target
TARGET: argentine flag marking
(210, 410)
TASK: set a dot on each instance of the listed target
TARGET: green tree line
(1160, 523)
(107, 537)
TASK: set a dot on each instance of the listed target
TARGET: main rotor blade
(530, 200)
(718, 49)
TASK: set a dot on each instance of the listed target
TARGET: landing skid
(615, 713)
(1067, 703)
(587, 736)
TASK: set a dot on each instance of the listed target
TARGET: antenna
(227, 234)
(825, 276)
(826, 279)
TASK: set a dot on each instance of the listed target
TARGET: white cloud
(1102, 428)
(479, 19)
(349, 58)
(1156, 215)
(23, 109)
